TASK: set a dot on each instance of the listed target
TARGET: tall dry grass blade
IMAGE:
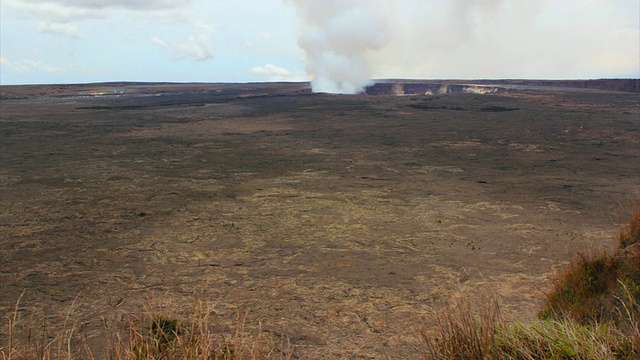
(462, 331)
(12, 321)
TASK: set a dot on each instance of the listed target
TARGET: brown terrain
(340, 223)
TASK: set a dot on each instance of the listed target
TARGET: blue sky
(76, 41)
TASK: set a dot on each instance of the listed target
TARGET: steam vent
(433, 87)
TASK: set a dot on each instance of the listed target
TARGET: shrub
(566, 339)
(463, 332)
(583, 292)
(601, 288)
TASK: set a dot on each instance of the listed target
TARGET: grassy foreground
(149, 336)
(593, 312)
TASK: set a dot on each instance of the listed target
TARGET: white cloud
(56, 16)
(157, 41)
(270, 72)
(194, 47)
(50, 11)
(204, 26)
(61, 18)
(27, 66)
(142, 5)
(14, 66)
(63, 29)
(42, 66)
(74, 10)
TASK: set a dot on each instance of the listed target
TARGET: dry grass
(149, 336)
(463, 332)
(593, 312)
(549, 339)
(27, 342)
(630, 234)
(583, 292)
(601, 288)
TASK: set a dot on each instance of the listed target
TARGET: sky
(338, 44)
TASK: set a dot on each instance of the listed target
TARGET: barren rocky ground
(338, 222)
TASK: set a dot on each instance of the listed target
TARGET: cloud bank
(101, 4)
(63, 29)
(65, 17)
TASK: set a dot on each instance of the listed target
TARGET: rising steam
(337, 35)
(348, 42)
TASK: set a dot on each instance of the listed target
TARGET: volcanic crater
(338, 222)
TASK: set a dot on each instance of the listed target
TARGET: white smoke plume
(337, 36)
(347, 42)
